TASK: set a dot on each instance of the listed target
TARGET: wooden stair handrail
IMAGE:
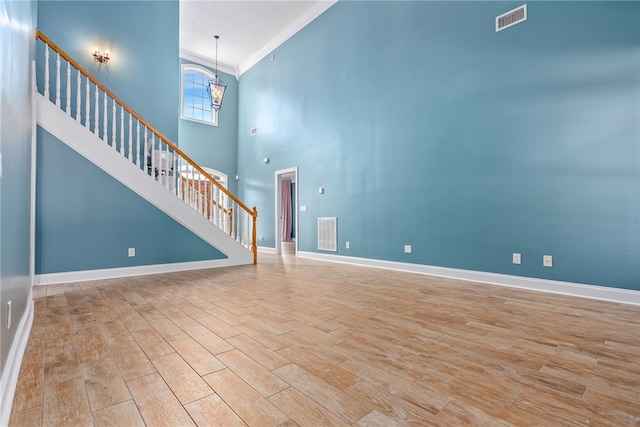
(253, 212)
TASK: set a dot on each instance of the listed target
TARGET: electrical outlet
(303, 208)
(407, 249)
(132, 252)
(547, 260)
(261, 238)
(517, 258)
(9, 315)
(346, 245)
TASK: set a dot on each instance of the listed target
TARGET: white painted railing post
(78, 97)
(68, 104)
(87, 113)
(58, 81)
(105, 114)
(130, 138)
(146, 150)
(178, 176)
(121, 131)
(113, 125)
(46, 71)
(96, 113)
(153, 157)
(138, 143)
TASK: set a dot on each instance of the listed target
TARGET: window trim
(210, 75)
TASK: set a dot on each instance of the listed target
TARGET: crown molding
(285, 34)
(207, 62)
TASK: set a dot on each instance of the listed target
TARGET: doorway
(286, 226)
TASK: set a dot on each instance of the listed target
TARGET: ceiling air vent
(511, 18)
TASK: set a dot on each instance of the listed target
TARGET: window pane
(195, 96)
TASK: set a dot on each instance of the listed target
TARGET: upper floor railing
(94, 106)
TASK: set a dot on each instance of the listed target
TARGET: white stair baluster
(121, 130)
(130, 139)
(113, 125)
(176, 172)
(192, 189)
(145, 166)
(245, 223)
(105, 124)
(153, 157)
(46, 71)
(210, 202)
(241, 227)
(58, 81)
(68, 104)
(247, 235)
(201, 192)
(223, 213)
(214, 205)
(196, 189)
(178, 177)
(186, 193)
(87, 112)
(78, 97)
(234, 223)
(137, 143)
(165, 165)
(96, 113)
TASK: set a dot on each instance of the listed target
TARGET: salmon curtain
(285, 209)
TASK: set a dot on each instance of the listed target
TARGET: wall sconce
(102, 58)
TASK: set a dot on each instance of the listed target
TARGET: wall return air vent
(327, 234)
(511, 18)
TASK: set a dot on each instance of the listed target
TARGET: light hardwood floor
(300, 342)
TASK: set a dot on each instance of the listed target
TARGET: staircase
(80, 111)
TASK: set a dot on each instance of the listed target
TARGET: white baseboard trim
(266, 250)
(11, 370)
(623, 296)
(142, 270)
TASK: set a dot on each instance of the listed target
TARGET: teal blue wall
(426, 127)
(143, 37)
(17, 27)
(91, 224)
(215, 146)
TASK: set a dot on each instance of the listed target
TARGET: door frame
(279, 176)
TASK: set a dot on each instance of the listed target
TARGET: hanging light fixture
(216, 86)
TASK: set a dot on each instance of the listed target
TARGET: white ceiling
(249, 30)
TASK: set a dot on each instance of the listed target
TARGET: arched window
(196, 101)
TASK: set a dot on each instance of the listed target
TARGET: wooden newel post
(254, 245)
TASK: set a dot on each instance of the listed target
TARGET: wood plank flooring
(298, 342)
